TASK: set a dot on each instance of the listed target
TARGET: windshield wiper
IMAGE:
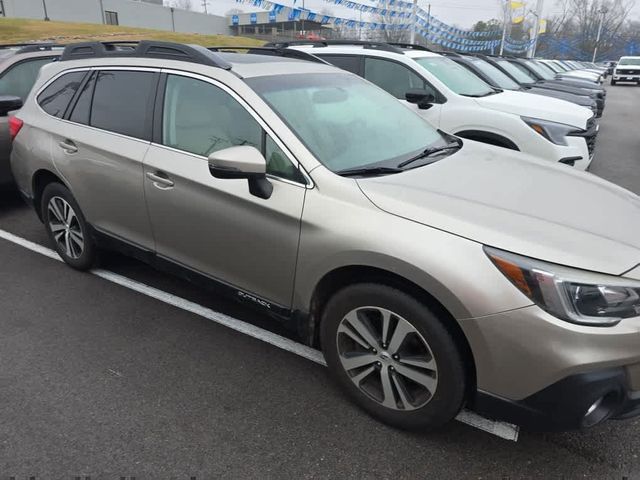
(429, 152)
(492, 92)
(368, 171)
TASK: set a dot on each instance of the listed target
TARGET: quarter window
(121, 102)
(200, 118)
(19, 79)
(56, 97)
(391, 76)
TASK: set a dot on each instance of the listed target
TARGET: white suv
(627, 70)
(456, 101)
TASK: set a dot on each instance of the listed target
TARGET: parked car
(462, 104)
(19, 66)
(627, 70)
(499, 79)
(433, 271)
(528, 79)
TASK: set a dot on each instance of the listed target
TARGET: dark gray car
(19, 67)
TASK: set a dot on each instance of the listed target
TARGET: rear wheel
(67, 227)
(393, 357)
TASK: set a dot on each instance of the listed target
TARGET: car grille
(591, 134)
(627, 72)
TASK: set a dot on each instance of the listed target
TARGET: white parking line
(500, 429)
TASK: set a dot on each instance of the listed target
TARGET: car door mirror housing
(242, 162)
(421, 97)
(8, 103)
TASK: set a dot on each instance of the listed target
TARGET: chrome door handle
(159, 181)
(68, 146)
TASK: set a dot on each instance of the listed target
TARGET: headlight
(573, 295)
(552, 131)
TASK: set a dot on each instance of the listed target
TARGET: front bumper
(578, 401)
(627, 77)
(529, 364)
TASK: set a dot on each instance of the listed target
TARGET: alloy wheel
(65, 227)
(387, 358)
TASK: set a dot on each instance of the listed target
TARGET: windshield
(495, 74)
(345, 121)
(541, 70)
(515, 72)
(560, 65)
(553, 67)
(629, 61)
(456, 77)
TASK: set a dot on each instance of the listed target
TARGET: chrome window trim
(216, 83)
(91, 69)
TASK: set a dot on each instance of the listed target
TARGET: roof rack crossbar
(326, 43)
(274, 51)
(42, 47)
(144, 49)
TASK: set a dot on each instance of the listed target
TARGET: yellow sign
(515, 5)
(519, 19)
(543, 26)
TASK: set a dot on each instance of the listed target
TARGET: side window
(201, 118)
(391, 76)
(56, 97)
(121, 102)
(349, 63)
(82, 110)
(19, 79)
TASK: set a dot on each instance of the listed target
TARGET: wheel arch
(341, 277)
(41, 178)
(490, 138)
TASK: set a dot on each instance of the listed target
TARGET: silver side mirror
(242, 162)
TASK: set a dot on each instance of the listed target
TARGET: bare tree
(581, 18)
(181, 4)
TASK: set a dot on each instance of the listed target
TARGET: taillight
(15, 124)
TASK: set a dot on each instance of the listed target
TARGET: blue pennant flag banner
(424, 24)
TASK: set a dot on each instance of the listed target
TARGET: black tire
(449, 396)
(82, 258)
(613, 82)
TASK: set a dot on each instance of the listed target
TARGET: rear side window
(345, 62)
(19, 79)
(121, 102)
(56, 97)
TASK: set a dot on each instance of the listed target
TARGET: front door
(215, 226)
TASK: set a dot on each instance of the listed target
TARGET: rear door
(99, 148)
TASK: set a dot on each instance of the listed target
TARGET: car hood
(536, 106)
(516, 203)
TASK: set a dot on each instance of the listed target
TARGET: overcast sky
(463, 13)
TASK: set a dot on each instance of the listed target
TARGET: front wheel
(67, 227)
(393, 356)
(613, 82)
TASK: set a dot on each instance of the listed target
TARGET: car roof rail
(327, 43)
(144, 49)
(272, 51)
(40, 47)
(412, 46)
(451, 54)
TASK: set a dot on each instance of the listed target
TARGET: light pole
(506, 7)
(414, 17)
(205, 3)
(536, 28)
(44, 7)
(603, 11)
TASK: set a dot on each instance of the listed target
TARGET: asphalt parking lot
(99, 380)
